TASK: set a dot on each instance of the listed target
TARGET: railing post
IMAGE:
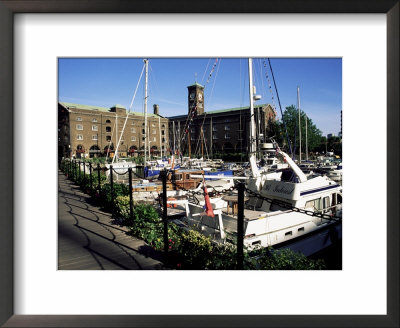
(91, 178)
(79, 172)
(98, 177)
(165, 217)
(75, 171)
(240, 220)
(130, 194)
(112, 190)
(84, 172)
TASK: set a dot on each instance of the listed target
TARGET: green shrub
(195, 250)
(106, 197)
(286, 259)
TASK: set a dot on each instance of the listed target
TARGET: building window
(79, 127)
(95, 128)
(154, 139)
(153, 125)
(192, 130)
(133, 138)
(133, 123)
(95, 137)
(215, 137)
(228, 120)
(133, 130)
(192, 138)
(227, 128)
(143, 132)
(214, 129)
(163, 132)
(143, 138)
(108, 138)
(163, 126)
(79, 118)
(94, 120)
(108, 121)
(79, 137)
(227, 136)
(163, 140)
(108, 128)
(154, 131)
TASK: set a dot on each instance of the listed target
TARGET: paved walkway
(88, 240)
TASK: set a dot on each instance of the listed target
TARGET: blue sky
(108, 81)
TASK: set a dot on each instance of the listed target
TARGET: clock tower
(196, 98)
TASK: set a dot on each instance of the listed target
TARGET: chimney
(156, 109)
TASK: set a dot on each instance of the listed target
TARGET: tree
(291, 119)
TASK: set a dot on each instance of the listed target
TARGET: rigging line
(270, 89)
(127, 115)
(183, 135)
(215, 79)
(201, 129)
(262, 82)
(205, 144)
(205, 71)
(112, 133)
(153, 78)
(280, 107)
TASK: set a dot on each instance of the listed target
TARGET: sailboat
(282, 209)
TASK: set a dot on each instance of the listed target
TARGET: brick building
(216, 132)
(88, 131)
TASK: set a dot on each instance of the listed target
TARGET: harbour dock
(89, 239)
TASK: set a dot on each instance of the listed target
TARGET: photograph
(197, 163)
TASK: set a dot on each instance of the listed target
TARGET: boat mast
(189, 145)
(306, 140)
(159, 132)
(173, 133)
(202, 140)
(211, 138)
(116, 136)
(146, 62)
(298, 107)
(252, 118)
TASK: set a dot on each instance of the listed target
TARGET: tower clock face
(200, 96)
(192, 95)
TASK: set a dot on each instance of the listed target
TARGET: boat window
(339, 198)
(314, 204)
(258, 242)
(326, 202)
(289, 233)
(187, 176)
(300, 229)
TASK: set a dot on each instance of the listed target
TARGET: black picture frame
(7, 197)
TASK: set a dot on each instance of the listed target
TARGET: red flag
(209, 210)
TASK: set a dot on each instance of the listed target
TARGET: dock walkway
(89, 240)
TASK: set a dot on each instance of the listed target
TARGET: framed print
(35, 34)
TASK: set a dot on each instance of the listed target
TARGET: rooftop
(196, 85)
(102, 109)
(220, 111)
